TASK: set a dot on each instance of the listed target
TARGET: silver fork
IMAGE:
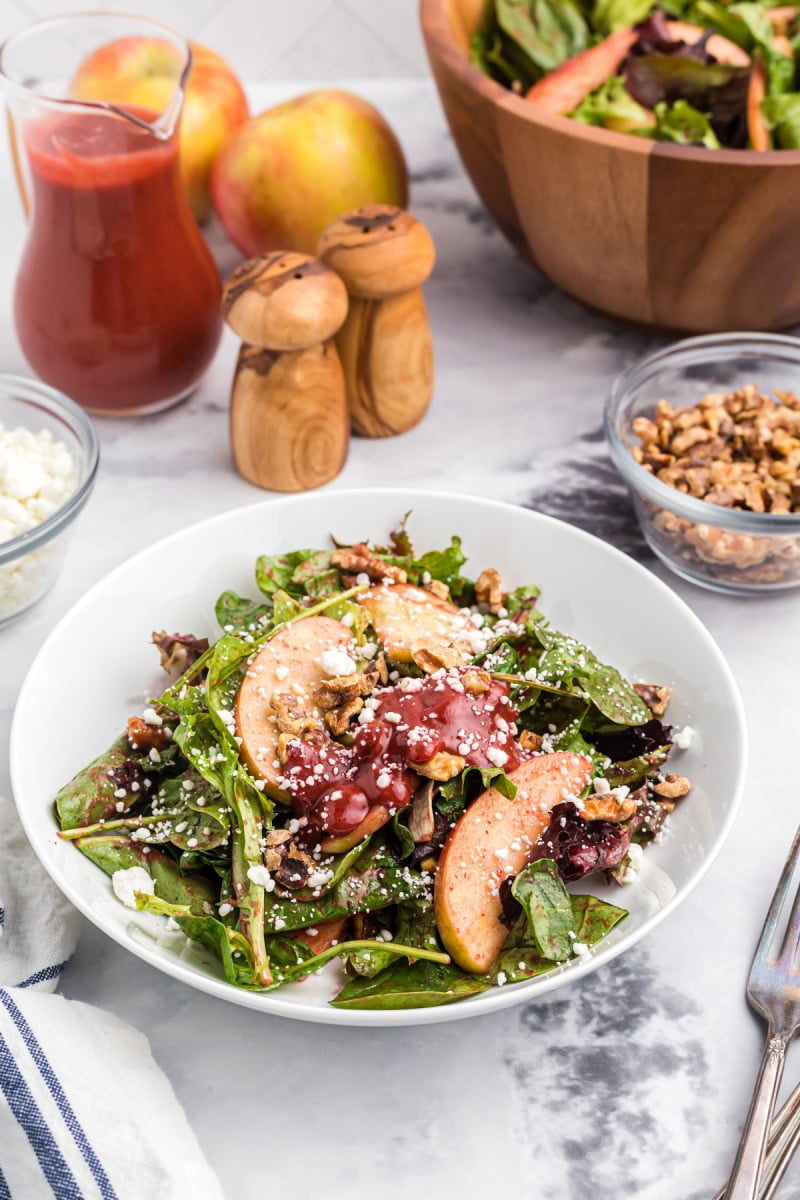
(784, 1138)
(774, 990)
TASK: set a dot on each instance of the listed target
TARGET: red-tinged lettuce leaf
(713, 88)
(655, 37)
(578, 847)
(626, 744)
(178, 651)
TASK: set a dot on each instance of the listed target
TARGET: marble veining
(630, 1083)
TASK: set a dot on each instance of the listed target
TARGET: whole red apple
(286, 174)
(142, 72)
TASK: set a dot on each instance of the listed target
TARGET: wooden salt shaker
(289, 423)
(384, 255)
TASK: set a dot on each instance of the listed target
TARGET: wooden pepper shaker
(289, 422)
(384, 255)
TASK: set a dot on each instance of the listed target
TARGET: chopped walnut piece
(441, 767)
(375, 672)
(331, 693)
(529, 740)
(735, 450)
(146, 737)
(655, 697)
(437, 588)
(672, 787)
(476, 681)
(359, 559)
(338, 719)
(295, 869)
(292, 718)
(489, 589)
(608, 808)
(433, 658)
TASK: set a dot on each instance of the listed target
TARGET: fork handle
(744, 1180)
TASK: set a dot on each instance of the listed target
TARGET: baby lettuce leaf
(241, 614)
(682, 124)
(547, 908)
(89, 796)
(613, 107)
(274, 572)
(567, 663)
(452, 797)
(593, 918)
(782, 116)
(610, 15)
(111, 854)
(201, 816)
(779, 67)
(544, 33)
(415, 985)
(487, 53)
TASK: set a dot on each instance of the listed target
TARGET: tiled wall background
(275, 39)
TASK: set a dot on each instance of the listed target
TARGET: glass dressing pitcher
(117, 296)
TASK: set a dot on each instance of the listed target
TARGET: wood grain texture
(289, 425)
(675, 237)
(386, 350)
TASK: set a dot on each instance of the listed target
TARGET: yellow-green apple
(493, 840)
(142, 72)
(286, 174)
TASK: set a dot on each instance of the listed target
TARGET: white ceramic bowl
(626, 615)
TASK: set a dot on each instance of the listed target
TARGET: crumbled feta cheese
(601, 785)
(336, 662)
(496, 756)
(580, 948)
(261, 876)
(281, 672)
(225, 909)
(151, 717)
(129, 881)
(37, 476)
(683, 738)
(632, 862)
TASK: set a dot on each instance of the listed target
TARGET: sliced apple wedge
(289, 663)
(564, 88)
(377, 816)
(404, 617)
(492, 840)
(324, 935)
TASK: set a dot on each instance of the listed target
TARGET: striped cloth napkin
(85, 1113)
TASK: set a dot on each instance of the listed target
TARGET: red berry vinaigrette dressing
(334, 786)
(117, 296)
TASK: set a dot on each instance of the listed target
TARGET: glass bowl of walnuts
(706, 434)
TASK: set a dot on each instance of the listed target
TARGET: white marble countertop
(630, 1083)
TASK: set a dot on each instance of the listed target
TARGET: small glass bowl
(725, 549)
(29, 563)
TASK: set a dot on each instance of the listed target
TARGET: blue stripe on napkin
(28, 1115)
(57, 1092)
(46, 973)
(5, 1191)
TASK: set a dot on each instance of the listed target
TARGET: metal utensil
(784, 1137)
(773, 990)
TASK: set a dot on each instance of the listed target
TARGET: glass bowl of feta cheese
(48, 462)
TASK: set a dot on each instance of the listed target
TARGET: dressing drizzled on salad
(697, 72)
(385, 762)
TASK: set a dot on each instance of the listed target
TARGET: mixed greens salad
(697, 72)
(384, 762)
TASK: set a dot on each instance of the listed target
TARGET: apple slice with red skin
(757, 130)
(326, 933)
(562, 90)
(377, 817)
(403, 615)
(290, 660)
(492, 840)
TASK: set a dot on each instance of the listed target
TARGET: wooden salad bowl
(674, 237)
